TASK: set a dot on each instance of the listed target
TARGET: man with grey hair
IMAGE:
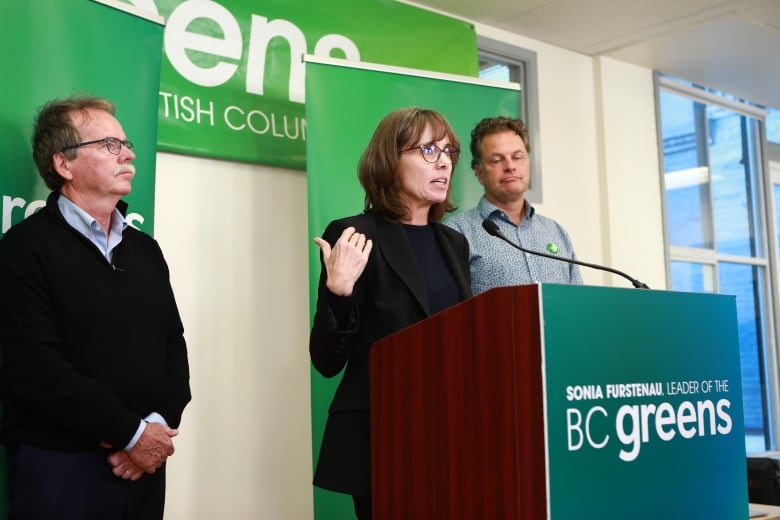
(94, 375)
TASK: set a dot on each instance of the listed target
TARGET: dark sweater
(88, 348)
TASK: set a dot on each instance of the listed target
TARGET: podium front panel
(457, 413)
(644, 404)
(557, 401)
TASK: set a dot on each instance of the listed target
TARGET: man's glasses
(113, 144)
(432, 153)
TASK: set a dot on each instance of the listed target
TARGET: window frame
(770, 290)
(771, 152)
(528, 103)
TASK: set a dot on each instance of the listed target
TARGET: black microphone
(492, 228)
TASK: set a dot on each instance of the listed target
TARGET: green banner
(232, 84)
(344, 103)
(644, 405)
(79, 54)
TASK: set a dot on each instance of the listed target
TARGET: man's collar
(487, 208)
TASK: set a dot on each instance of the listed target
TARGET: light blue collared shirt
(85, 224)
(494, 263)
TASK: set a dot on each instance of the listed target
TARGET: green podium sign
(643, 404)
(562, 402)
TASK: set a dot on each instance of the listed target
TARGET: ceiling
(728, 45)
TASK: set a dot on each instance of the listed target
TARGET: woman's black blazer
(390, 295)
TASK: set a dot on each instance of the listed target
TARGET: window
(773, 126)
(718, 228)
(499, 61)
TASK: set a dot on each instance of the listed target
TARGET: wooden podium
(551, 401)
(457, 415)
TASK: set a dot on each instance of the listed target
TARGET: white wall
(632, 213)
(235, 237)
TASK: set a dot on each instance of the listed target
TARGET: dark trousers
(362, 507)
(46, 484)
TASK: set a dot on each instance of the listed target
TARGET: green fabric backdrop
(80, 53)
(345, 102)
(232, 83)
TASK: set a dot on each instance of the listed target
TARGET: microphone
(492, 228)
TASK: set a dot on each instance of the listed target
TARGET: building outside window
(721, 227)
